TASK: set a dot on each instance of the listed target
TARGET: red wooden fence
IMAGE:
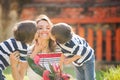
(117, 46)
(110, 44)
(99, 45)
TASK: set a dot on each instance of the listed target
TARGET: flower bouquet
(55, 72)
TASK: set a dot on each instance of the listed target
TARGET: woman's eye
(39, 28)
(48, 28)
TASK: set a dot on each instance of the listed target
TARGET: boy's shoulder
(8, 40)
(75, 36)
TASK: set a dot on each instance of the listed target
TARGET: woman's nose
(44, 29)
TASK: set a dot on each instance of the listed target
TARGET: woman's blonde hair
(45, 18)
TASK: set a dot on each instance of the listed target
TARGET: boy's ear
(36, 35)
(51, 36)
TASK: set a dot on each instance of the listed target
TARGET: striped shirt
(77, 46)
(9, 46)
(44, 59)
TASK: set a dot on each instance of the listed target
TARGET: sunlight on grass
(112, 73)
(70, 70)
(9, 77)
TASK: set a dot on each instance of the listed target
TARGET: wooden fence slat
(90, 37)
(117, 38)
(108, 45)
(81, 31)
(99, 39)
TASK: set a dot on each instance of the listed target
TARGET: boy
(76, 50)
(24, 32)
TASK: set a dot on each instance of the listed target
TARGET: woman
(43, 43)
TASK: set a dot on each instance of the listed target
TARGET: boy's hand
(67, 61)
(70, 60)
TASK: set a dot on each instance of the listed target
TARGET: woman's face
(43, 29)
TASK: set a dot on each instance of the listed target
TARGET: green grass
(70, 70)
(8, 75)
(67, 69)
(112, 73)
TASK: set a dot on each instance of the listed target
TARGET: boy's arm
(70, 60)
(18, 68)
(15, 74)
(22, 67)
(14, 63)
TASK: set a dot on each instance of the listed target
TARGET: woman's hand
(14, 59)
(36, 38)
(37, 46)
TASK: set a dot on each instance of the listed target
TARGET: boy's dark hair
(62, 32)
(24, 31)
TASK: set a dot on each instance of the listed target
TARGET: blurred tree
(9, 14)
(5, 5)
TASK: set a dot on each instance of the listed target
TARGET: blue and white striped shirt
(9, 46)
(77, 46)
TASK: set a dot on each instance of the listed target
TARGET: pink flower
(65, 76)
(36, 60)
(46, 75)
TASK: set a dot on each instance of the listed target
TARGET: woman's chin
(44, 37)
